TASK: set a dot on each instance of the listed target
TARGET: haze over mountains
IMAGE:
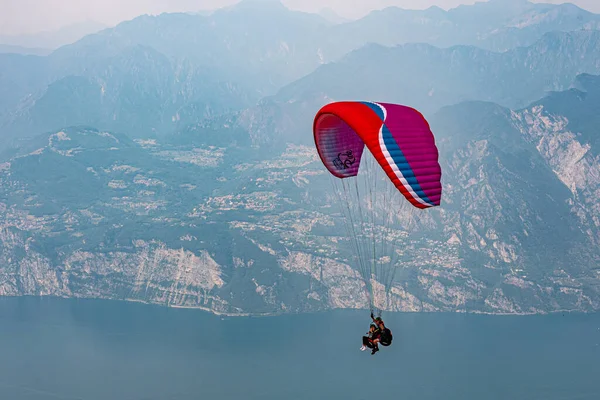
(246, 52)
(170, 159)
(45, 42)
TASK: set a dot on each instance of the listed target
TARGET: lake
(95, 349)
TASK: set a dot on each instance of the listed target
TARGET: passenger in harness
(369, 340)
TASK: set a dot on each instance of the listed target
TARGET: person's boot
(375, 350)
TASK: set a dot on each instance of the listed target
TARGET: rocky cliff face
(93, 214)
(564, 129)
(514, 216)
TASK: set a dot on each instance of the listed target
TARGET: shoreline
(278, 314)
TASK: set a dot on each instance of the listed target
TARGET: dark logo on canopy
(344, 160)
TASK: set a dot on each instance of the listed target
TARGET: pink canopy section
(399, 138)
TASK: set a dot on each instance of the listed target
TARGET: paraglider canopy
(399, 138)
(403, 160)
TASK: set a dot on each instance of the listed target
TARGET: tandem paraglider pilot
(378, 334)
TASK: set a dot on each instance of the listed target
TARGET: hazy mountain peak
(570, 7)
(588, 83)
(436, 10)
(330, 15)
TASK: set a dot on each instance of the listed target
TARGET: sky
(32, 16)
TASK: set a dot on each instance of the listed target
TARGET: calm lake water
(87, 349)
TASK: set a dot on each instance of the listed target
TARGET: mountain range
(253, 50)
(495, 25)
(144, 170)
(90, 213)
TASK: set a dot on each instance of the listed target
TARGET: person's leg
(375, 346)
(365, 343)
